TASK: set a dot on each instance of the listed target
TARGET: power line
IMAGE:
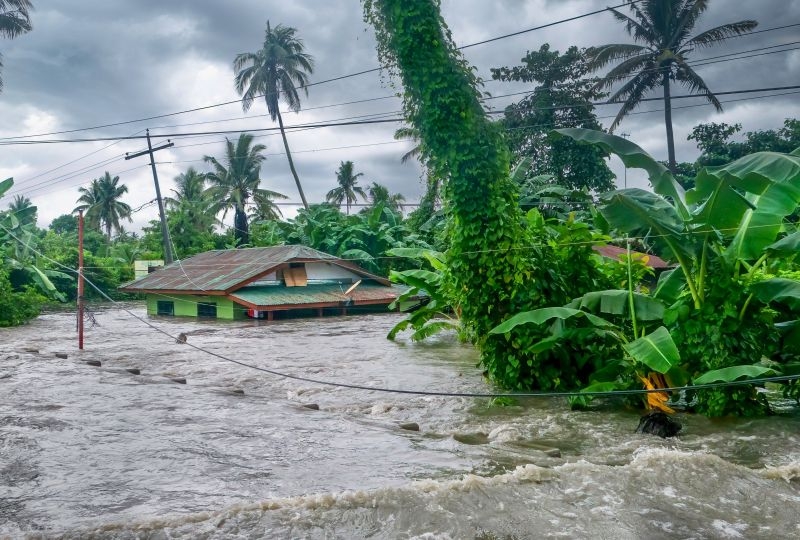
(333, 79)
(42, 185)
(351, 386)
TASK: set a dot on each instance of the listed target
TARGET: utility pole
(80, 279)
(164, 231)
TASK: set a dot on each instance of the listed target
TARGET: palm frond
(691, 80)
(721, 33)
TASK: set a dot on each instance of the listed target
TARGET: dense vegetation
(504, 256)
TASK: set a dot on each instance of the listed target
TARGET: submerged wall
(187, 305)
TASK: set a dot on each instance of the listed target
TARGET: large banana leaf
(772, 183)
(641, 212)
(656, 350)
(634, 157)
(720, 206)
(671, 284)
(543, 315)
(733, 373)
(5, 185)
(616, 302)
(786, 246)
(786, 291)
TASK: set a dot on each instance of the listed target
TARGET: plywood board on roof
(288, 277)
(295, 277)
(300, 277)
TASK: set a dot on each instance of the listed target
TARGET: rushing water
(97, 452)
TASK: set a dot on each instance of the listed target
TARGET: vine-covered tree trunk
(442, 103)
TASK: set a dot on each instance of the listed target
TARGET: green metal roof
(329, 293)
(226, 270)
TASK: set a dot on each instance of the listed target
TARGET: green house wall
(185, 305)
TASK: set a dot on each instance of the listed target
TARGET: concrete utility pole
(164, 232)
(80, 279)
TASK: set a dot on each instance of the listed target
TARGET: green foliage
(432, 311)
(347, 190)
(17, 307)
(276, 71)
(65, 223)
(715, 141)
(563, 98)
(101, 204)
(660, 58)
(235, 182)
(720, 233)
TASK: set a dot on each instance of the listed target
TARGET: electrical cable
(341, 77)
(322, 382)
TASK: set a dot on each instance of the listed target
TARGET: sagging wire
(404, 391)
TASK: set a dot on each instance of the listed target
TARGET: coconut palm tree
(193, 201)
(15, 19)
(379, 193)
(348, 190)
(234, 184)
(191, 214)
(275, 71)
(101, 203)
(662, 27)
(409, 134)
(266, 209)
(22, 208)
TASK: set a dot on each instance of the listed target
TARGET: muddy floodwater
(112, 452)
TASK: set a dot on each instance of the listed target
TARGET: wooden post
(80, 279)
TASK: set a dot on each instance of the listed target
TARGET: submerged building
(265, 283)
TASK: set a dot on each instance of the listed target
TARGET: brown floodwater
(100, 452)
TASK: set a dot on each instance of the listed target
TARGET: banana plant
(734, 213)
(720, 233)
(433, 311)
(17, 247)
(642, 354)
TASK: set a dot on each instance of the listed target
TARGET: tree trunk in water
(291, 163)
(668, 122)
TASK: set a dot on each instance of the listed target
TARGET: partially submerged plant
(720, 234)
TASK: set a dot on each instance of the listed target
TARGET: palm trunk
(668, 122)
(241, 230)
(291, 163)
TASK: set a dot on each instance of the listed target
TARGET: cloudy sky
(93, 63)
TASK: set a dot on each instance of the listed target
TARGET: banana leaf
(786, 246)
(518, 173)
(670, 286)
(790, 335)
(772, 183)
(641, 212)
(544, 315)
(615, 302)
(634, 156)
(5, 185)
(785, 291)
(656, 350)
(734, 373)
(720, 206)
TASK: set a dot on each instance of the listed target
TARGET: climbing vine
(491, 276)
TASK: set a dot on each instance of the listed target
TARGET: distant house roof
(221, 272)
(614, 252)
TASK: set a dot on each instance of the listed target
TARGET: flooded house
(263, 283)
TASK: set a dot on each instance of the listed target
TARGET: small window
(207, 310)
(166, 308)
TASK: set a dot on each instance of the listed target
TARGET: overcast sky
(96, 62)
